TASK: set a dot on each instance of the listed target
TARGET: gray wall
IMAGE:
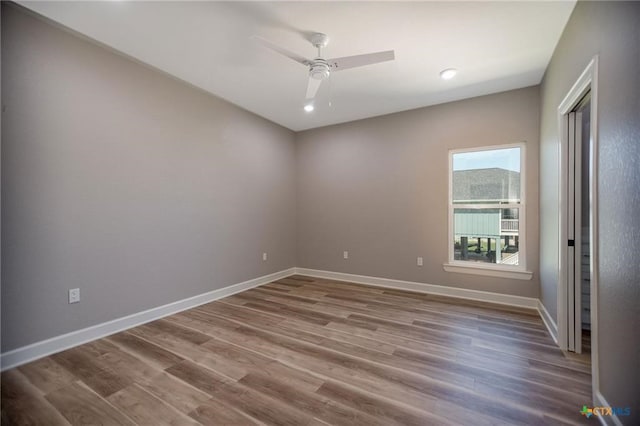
(378, 188)
(612, 30)
(128, 184)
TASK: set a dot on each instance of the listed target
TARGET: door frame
(587, 82)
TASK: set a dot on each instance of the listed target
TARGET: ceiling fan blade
(283, 51)
(312, 87)
(346, 62)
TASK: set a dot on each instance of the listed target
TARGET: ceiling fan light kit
(320, 68)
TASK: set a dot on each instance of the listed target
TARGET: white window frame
(491, 269)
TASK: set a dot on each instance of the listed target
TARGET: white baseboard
(600, 401)
(43, 348)
(548, 321)
(461, 293)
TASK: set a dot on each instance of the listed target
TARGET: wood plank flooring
(308, 351)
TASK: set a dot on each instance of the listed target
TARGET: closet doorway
(578, 221)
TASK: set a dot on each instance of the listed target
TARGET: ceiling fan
(320, 68)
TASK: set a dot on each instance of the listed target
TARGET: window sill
(488, 272)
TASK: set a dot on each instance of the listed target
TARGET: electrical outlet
(74, 295)
(264, 257)
(345, 254)
(420, 261)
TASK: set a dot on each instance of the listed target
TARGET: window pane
(486, 235)
(491, 176)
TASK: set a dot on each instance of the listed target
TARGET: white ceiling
(496, 46)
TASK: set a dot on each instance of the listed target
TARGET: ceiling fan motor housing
(319, 69)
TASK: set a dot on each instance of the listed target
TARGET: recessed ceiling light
(308, 107)
(448, 74)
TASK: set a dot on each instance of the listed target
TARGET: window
(487, 211)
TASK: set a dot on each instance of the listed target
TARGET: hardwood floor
(307, 351)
